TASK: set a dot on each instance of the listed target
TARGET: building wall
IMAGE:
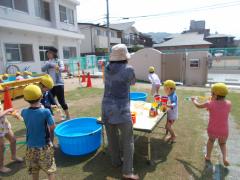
(93, 40)
(36, 39)
(223, 42)
(142, 59)
(31, 18)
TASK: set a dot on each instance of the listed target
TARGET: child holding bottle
(219, 109)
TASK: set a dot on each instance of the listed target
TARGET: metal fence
(90, 63)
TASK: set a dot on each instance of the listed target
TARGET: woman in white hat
(116, 109)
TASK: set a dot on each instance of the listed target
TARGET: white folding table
(144, 123)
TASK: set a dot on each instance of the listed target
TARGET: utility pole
(108, 28)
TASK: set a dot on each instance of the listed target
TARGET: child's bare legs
(223, 147)
(51, 176)
(3, 169)
(209, 148)
(12, 140)
(35, 176)
(170, 130)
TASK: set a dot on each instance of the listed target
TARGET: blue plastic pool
(79, 136)
(138, 96)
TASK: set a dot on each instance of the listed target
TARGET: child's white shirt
(153, 78)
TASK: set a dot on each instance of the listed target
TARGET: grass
(235, 99)
(181, 160)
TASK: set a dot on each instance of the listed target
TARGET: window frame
(19, 52)
(44, 50)
(69, 14)
(69, 49)
(14, 6)
(196, 61)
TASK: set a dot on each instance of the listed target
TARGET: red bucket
(157, 98)
(164, 99)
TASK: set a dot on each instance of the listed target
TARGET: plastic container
(138, 96)
(133, 115)
(79, 136)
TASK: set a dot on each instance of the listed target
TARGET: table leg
(149, 148)
(103, 140)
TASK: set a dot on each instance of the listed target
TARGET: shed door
(173, 67)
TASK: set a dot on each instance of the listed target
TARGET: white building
(130, 35)
(29, 27)
(96, 39)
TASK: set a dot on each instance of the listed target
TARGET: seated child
(27, 75)
(5, 77)
(219, 110)
(40, 125)
(6, 131)
(154, 79)
(19, 76)
(172, 112)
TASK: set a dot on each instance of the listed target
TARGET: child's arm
(3, 113)
(197, 104)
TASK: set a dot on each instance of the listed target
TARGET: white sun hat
(119, 53)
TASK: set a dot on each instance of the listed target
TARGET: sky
(172, 16)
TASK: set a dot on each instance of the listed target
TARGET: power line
(171, 13)
(196, 9)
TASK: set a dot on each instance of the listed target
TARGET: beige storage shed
(189, 68)
(142, 59)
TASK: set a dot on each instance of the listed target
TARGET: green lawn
(181, 160)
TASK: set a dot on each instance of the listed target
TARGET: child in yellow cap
(27, 75)
(40, 126)
(219, 110)
(155, 81)
(46, 84)
(6, 132)
(172, 112)
(19, 76)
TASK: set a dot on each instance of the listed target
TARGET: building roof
(122, 26)
(219, 36)
(39, 29)
(97, 25)
(187, 39)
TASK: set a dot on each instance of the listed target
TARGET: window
(19, 52)
(43, 53)
(112, 34)
(20, 5)
(66, 15)
(42, 9)
(194, 63)
(69, 52)
(98, 32)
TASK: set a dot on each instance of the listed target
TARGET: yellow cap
(27, 73)
(32, 92)
(18, 73)
(5, 75)
(169, 84)
(47, 81)
(220, 89)
(151, 69)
